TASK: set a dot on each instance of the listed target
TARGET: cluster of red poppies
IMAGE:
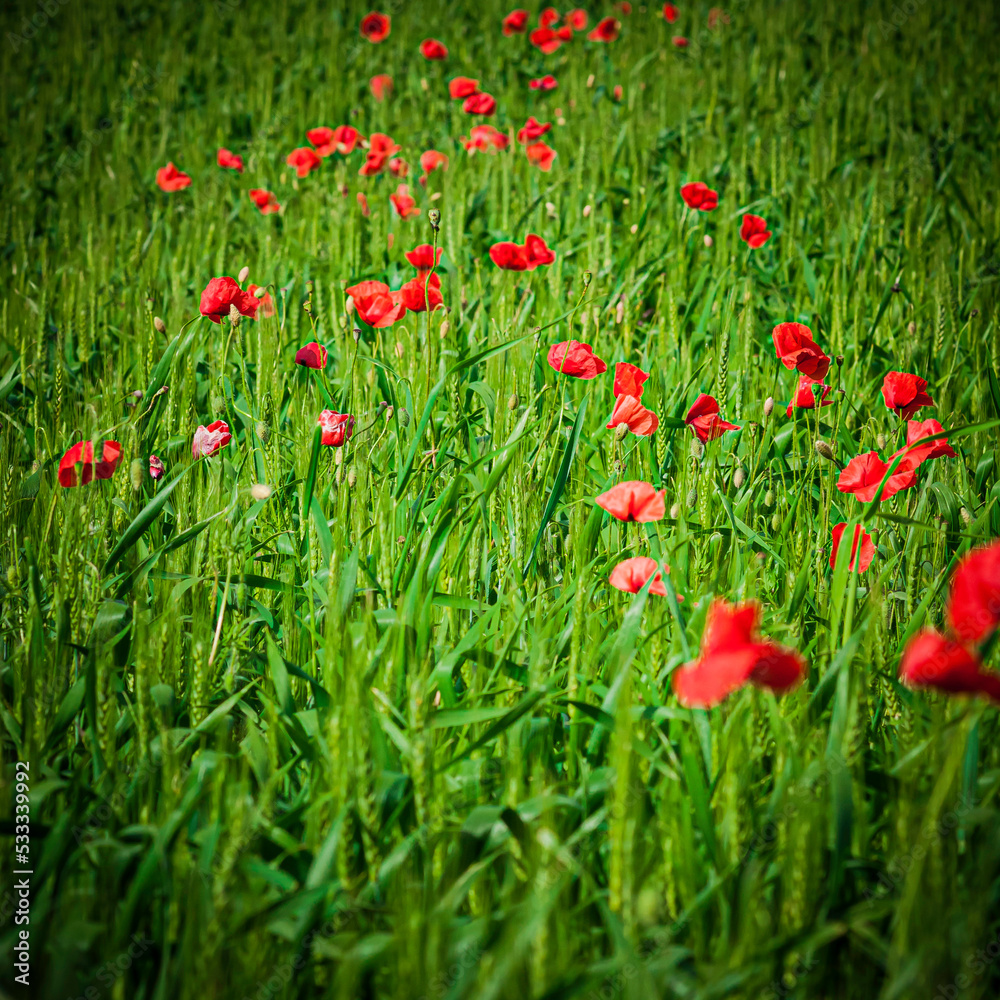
(699, 196)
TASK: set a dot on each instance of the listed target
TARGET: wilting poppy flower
(634, 501)
(700, 196)
(704, 418)
(867, 547)
(509, 256)
(363, 203)
(732, 655)
(796, 349)
(548, 17)
(754, 231)
(515, 23)
(229, 160)
(479, 104)
(220, 294)
(606, 31)
(420, 294)
(313, 355)
(863, 474)
(303, 159)
(208, 440)
(629, 379)
(265, 201)
(432, 160)
(577, 19)
(547, 82)
(460, 87)
(917, 429)
(905, 393)
(169, 178)
(537, 252)
(337, 428)
(431, 48)
(486, 138)
(679, 42)
(398, 167)
(404, 205)
(375, 27)
(570, 357)
(932, 660)
(381, 86)
(631, 575)
(156, 467)
(545, 40)
(973, 607)
(424, 257)
(670, 13)
(630, 412)
(374, 303)
(82, 453)
(532, 129)
(540, 155)
(805, 395)
(266, 303)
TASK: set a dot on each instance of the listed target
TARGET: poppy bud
(263, 432)
(338, 458)
(260, 491)
(738, 478)
(389, 411)
(260, 292)
(769, 498)
(675, 510)
(880, 441)
(434, 218)
(965, 515)
(357, 334)
(160, 326)
(352, 479)
(244, 274)
(383, 405)
(619, 312)
(708, 240)
(135, 474)
(911, 328)
(775, 522)
(234, 315)
(404, 417)
(620, 431)
(513, 402)
(697, 448)
(824, 450)
(586, 211)
(424, 85)
(692, 497)
(768, 406)
(445, 329)
(590, 81)
(550, 210)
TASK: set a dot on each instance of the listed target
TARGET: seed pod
(738, 478)
(244, 274)
(768, 406)
(824, 450)
(160, 326)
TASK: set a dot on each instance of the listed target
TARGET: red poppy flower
(679, 42)
(432, 160)
(540, 155)
(382, 144)
(509, 256)
(917, 429)
(533, 129)
(606, 31)
(732, 655)
(754, 231)
(716, 16)
(431, 48)
(337, 428)
(313, 355)
(344, 139)
(82, 453)
(266, 303)
(321, 138)
(631, 575)
(616, 94)
(404, 205)
(670, 13)
(363, 203)
(265, 201)
(796, 349)
(931, 660)
(375, 27)
(230, 161)
(545, 40)
(374, 303)
(577, 19)
(570, 357)
(863, 474)
(704, 418)
(547, 82)
(537, 252)
(156, 468)
(867, 547)
(634, 501)
(169, 178)
(398, 167)
(479, 104)
(461, 87)
(905, 393)
(423, 257)
(629, 379)
(700, 196)
(973, 607)
(624, 6)
(303, 159)
(420, 294)
(381, 86)
(220, 294)
(629, 411)
(208, 440)
(805, 396)
(515, 23)
(486, 138)
(548, 17)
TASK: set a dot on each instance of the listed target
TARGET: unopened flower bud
(590, 81)
(824, 450)
(768, 406)
(156, 467)
(692, 497)
(260, 291)
(911, 328)
(352, 479)
(513, 402)
(966, 516)
(389, 411)
(234, 315)
(260, 491)
(160, 326)
(697, 448)
(586, 211)
(739, 476)
(708, 240)
(357, 334)
(880, 440)
(434, 218)
(769, 498)
(675, 510)
(244, 274)
(621, 431)
(263, 432)
(775, 522)
(135, 474)
(445, 329)
(550, 210)
(338, 457)
(404, 417)
(619, 312)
